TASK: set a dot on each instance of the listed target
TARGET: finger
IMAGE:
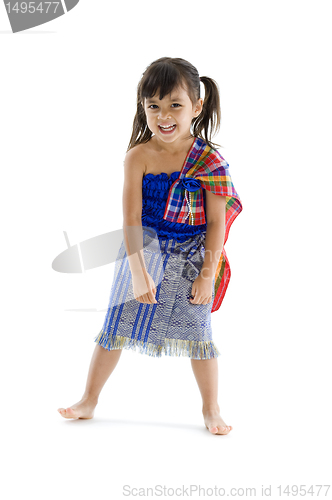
(150, 294)
(142, 298)
(148, 298)
(195, 300)
(152, 298)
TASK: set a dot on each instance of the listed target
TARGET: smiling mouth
(169, 128)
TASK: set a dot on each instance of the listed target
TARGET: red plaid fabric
(204, 167)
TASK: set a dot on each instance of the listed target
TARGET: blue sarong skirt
(174, 326)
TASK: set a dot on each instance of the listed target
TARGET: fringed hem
(173, 347)
(191, 348)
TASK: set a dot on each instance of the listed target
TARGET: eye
(174, 104)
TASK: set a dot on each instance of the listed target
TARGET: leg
(206, 374)
(102, 364)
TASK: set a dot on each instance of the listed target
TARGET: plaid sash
(204, 167)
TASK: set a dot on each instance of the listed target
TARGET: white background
(68, 94)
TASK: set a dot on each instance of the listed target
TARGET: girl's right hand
(144, 288)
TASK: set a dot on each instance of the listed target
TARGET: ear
(198, 107)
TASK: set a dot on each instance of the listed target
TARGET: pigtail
(207, 123)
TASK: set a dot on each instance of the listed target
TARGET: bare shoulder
(134, 166)
(134, 162)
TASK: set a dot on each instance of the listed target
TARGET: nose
(163, 115)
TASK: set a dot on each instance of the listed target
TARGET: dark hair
(166, 74)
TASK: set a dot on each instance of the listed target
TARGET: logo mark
(25, 15)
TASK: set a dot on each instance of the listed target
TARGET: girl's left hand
(202, 290)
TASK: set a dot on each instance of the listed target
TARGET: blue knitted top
(155, 190)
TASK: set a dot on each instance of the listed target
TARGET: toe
(70, 411)
(213, 429)
(222, 430)
(67, 412)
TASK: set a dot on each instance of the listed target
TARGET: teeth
(169, 126)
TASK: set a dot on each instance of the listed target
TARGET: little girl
(172, 270)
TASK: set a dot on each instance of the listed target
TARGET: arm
(215, 233)
(132, 209)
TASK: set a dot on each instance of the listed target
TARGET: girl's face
(175, 111)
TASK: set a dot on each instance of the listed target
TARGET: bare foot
(83, 409)
(214, 423)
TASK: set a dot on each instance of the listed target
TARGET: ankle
(90, 397)
(211, 407)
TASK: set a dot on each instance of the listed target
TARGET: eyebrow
(174, 99)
